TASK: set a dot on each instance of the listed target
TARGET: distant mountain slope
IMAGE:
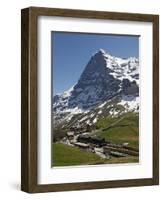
(108, 86)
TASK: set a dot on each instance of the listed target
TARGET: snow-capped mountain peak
(105, 78)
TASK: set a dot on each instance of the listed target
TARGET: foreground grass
(128, 159)
(64, 155)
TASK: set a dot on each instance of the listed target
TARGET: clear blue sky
(72, 51)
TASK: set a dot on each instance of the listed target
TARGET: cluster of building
(99, 146)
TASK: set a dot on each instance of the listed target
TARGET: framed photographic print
(90, 100)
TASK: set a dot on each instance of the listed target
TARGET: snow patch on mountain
(130, 103)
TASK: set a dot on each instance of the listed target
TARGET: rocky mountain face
(108, 86)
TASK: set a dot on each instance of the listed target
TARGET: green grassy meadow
(64, 155)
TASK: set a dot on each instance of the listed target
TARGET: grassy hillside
(121, 129)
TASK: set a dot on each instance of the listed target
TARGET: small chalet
(70, 135)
